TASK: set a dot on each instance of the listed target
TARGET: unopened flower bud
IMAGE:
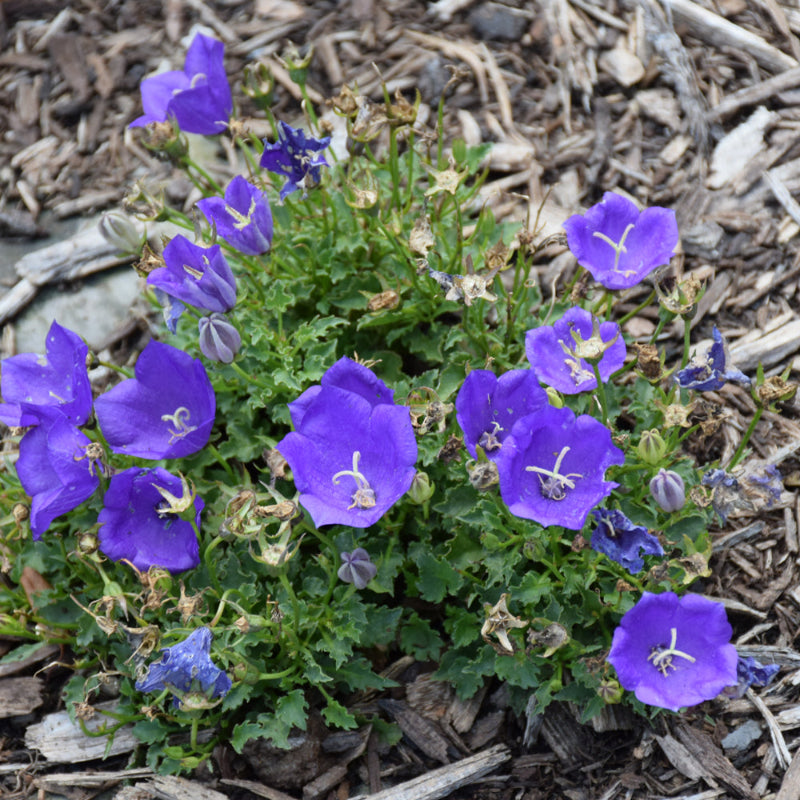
(652, 447)
(668, 490)
(88, 543)
(219, 340)
(421, 489)
(121, 232)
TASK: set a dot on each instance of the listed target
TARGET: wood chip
(169, 787)
(737, 149)
(714, 763)
(19, 696)
(714, 29)
(790, 786)
(60, 741)
(421, 731)
(441, 782)
(94, 779)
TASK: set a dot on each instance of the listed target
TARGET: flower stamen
(553, 485)
(364, 496)
(662, 658)
(242, 220)
(489, 440)
(179, 419)
(618, 248)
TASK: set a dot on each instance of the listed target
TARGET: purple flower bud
(668, 490)
(219, 339)
(357, 568)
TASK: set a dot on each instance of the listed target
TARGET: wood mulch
(691, 105)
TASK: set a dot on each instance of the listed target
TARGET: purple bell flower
(674, 652)
(357, 568)
(218, 338)
(198, 97)
(58, 381)
(352, 456)
(620, 245)
(350, 376)
(185, 667)
(709, 372)
(242, 218)
(166, 411)
(198, 276)
(557, 353)
(55, 469)
(137, 522)
(622, 541)
(296, 156)
(552, 467)
(487, 407)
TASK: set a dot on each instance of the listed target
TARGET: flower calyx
(499, 620)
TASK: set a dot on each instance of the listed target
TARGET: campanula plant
(368, 435)
(141, 520)
(166, 411)
(59, 380)
(296, 156)
(185, 666)
(618, 244)
(198, 97)
(242, 217)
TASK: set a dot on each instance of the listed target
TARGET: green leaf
(419, 639)
(336, 714)
(436, 577)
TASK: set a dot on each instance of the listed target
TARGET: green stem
(638, 308)
(293, 600)
(189, 162)
(249, 378)
(687, 337)
(223, 463)
(746, 438)
(601, 394)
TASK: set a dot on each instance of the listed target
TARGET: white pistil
(618, 248)
(242, 221)
(180, 419)
(364, 496)
(555, 483)
(662, 659)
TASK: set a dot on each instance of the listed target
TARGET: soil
(693, 106)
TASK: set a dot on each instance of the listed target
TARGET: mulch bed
(694, 107)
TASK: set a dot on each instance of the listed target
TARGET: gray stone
(92, 308)
(496, 21)
(741, 738)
